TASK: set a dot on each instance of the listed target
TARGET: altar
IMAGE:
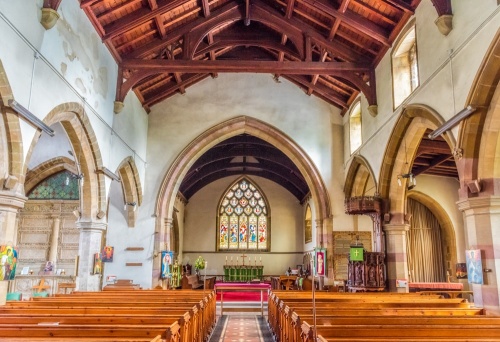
(243, 273)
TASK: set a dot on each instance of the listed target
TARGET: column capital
(491, 203)
(396, 229)
(91, 225)
(12, 200)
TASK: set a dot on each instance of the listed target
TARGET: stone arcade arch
(398, 157)
(131, 186)
(93, 204)
(11, 176)
(478, 151)
(232, 127)
(360, 180)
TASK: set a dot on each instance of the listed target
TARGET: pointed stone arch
(11, 144)
(232, 127)
(360, 180)
(83, 140)
(47, 169)
(479, 135)
(131, 186)
(401, 150)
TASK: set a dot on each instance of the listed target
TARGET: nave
(240, 327)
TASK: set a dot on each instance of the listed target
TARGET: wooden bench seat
(417, 332)
(95, 316)
(377, 317)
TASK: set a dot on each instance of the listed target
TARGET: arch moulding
(401, 149)
(232, 127)
(83, 140)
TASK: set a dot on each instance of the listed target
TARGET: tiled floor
(242, 328)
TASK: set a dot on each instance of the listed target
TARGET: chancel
(267, 152)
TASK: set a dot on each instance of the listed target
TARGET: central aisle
(241, 328)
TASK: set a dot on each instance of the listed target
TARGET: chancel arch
(232, 127)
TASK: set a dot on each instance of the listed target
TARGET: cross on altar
(243, 256)
(41, 286)
(356, 252)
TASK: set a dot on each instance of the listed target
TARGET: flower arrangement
(199, 264)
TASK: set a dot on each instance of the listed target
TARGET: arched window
(355, 128)
(405, 67)
(243, 218)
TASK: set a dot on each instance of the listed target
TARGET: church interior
(144, 141)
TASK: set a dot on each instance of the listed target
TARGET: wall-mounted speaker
(474, 186)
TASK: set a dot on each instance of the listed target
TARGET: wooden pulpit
(367, 274)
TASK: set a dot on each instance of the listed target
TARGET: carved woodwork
(367, 275)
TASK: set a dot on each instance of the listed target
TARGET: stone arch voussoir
(401, 151)
(232, 127)
(83, 140)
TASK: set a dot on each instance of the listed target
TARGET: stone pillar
(482, 219)
(397, 265)
(90, 243)
(54, 241)
(10, 203)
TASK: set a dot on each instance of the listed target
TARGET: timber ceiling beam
(230, 10)
(401, 5)
(355, 21)
(264, 11)
(261, 67)
(322, 90)
(169, 91)
(434, 163)
(137, 18)
(266, 43)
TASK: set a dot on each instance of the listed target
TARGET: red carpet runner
(244, 296)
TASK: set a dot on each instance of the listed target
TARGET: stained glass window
(61, 185)
(243, 222)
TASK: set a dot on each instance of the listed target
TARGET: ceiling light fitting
(29, 116)
(412, 181)
(464, 113)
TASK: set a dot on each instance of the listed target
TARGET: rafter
(434, 162)
(356, 22)
(230, 10)
(268, 13)
(138, 18)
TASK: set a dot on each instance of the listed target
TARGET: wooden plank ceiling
(329, 48)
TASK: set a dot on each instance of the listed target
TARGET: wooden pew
(413, 332)
(187, 329)
(378, 317)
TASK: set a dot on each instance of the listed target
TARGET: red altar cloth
(437, 286)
